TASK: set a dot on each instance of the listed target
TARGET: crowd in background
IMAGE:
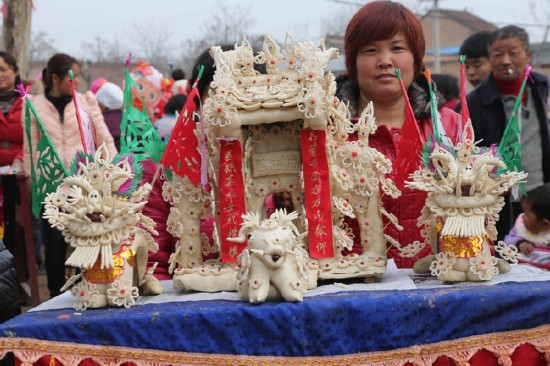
(161, 97)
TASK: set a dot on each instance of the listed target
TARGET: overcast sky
(69, 23)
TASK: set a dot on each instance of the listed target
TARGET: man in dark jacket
(9, 301)
(491, 105)
(9, 298)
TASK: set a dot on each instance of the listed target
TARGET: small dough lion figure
(465, 186)
(99, 212)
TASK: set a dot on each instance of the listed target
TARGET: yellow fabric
(107, 275)
(461, 247)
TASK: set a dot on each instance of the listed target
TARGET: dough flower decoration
(122, 293)
(508, 253)
(83, 293)
(484, 266)
(171, 192)
(442, 264)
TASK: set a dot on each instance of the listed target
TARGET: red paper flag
(463, 105)
(182, 154)
(409, 149)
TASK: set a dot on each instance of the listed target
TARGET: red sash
(232, 204)
(317, 193)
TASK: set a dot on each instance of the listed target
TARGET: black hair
(207, 61)
(175, 103)
(279, 202)
(59, 64)
(447, 85)
(539, 199)
(178, 74)
(511, 31)
(341, 80)
(12, 63)
(476, 45)
(45, 76)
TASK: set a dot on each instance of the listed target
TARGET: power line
(542, 25)
(345, 2)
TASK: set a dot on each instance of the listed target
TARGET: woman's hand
(17, 167)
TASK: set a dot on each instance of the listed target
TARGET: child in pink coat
(531, 232)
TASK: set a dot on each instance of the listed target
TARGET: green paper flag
(137, 134)
(49, 170)
(438, 130)
(509, 148)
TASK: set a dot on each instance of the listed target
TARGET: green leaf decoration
(48, 171)
(80, 157)
(49, 174)
(509, 147)
(141, 138)
(138, 135)
(137, 172)
(426, 151)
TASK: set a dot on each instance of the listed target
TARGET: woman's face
(61, 85)
(376, 63)
(7, 76)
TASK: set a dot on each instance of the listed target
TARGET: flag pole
(73, 92)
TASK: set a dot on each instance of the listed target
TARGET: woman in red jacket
(381, 37)
(11, 141)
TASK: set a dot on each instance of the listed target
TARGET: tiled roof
(465, 18)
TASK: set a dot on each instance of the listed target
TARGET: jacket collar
(491, 91)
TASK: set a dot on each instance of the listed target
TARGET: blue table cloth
(327, 325)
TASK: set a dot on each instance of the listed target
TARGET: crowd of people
(381, 37)
(102, 106)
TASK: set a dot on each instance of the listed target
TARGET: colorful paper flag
(48, 171)
(137, 134)
(509, 148)
(182, 154)
(465, 113)
(84, 124)
(410, 147)
(439, 132)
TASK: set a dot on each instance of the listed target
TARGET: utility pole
(436, 16)
(437, 45)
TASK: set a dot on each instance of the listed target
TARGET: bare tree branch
(103, 50)
(226, 25)
(335, 24)
(41, 47)
(154, 41)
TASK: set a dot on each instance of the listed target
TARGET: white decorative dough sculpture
(357, 176)
(98, 211)
(274, 264)
(465, 185)
(282, 131)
